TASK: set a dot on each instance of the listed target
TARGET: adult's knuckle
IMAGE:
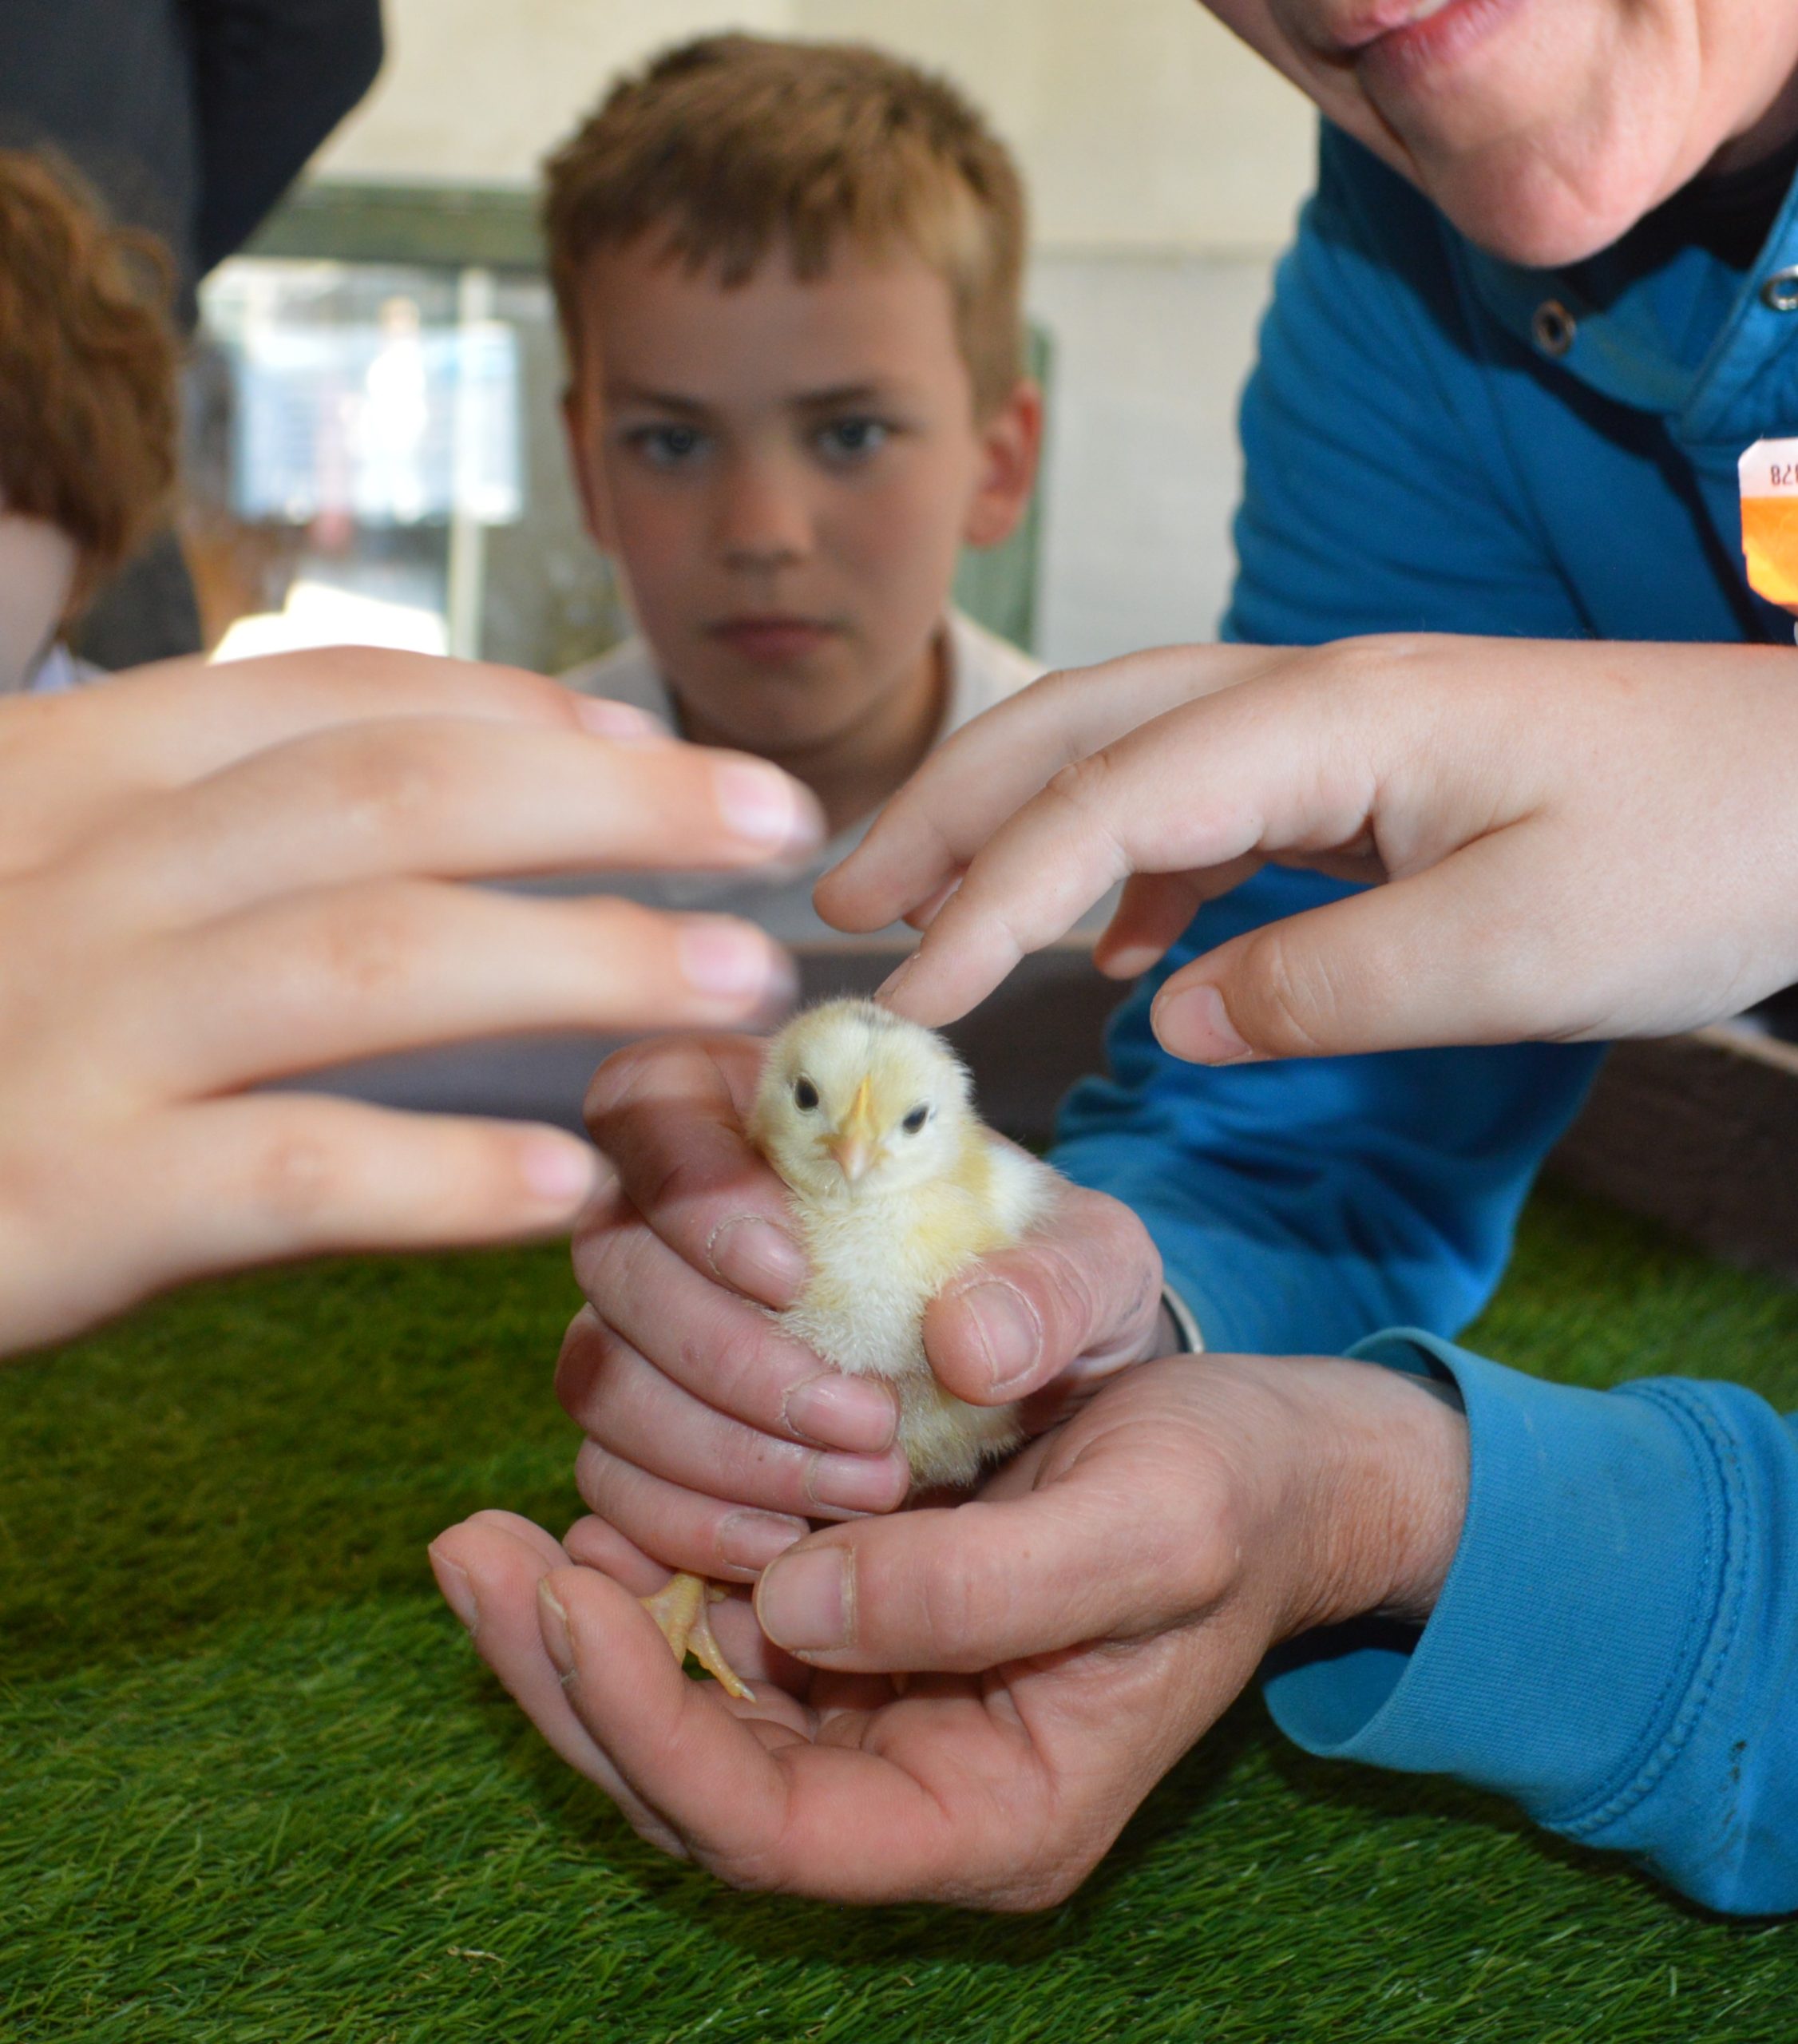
(669, 1177)
(734, 1363)
(1119, 1242)
(612, 1082)
(603, 1482)
(667, 1165)
(649, 1076)
(959, 1606)
(1065, 1284)
(610, 1264)
(578, 1361)
(612, 1410)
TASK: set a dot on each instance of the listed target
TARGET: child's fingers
(165, 726)
(266, 1177)
(961, 794)
(450, 799)
(1153, 913)
(1198, 790)
(315, 979)
(194, 1191)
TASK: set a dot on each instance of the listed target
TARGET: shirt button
(1553, 327)
(1779, 292)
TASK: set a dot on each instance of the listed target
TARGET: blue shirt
(1416, 458)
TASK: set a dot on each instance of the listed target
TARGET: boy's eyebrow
(838, 395)
(660, 400)
(844, 393)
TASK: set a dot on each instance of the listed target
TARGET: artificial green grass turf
(255, 1786)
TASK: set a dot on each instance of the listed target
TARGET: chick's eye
(804, 1095)
(915, 1120)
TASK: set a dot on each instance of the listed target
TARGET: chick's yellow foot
(679, 1607)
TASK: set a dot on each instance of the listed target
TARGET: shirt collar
(1740, 383)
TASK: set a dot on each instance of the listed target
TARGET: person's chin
(1524, 212)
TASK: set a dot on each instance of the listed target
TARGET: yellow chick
(897, 1184)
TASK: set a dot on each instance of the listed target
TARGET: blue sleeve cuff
(1613, 1647)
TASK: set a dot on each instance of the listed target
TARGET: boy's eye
(665, 446)
(853, 439)
(804, 1095)
(915, 1120)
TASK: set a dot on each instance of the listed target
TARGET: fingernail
(560, 1170)
(761, 804)
(1007, 1329)
(751, 1539)
(851, 1483)
(620, 722)
(553, 1622)
(806, 1601)
(756, 1256)
(894, 980)
(458, 1590)
(843, 1412)
(727, 959)
(1193, 1023)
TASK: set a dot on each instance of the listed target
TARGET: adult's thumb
(963, 1590)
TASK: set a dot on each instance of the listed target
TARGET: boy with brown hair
(88, 418)
(789, 277)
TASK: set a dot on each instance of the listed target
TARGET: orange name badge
(1768, 475)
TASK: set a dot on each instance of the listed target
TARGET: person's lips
(773, 637)
(1399, 39)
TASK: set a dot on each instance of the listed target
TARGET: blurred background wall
(1166, 163)
(1143, 125)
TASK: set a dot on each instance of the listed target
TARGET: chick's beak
(854, 1141)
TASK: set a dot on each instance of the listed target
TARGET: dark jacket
(192, 116)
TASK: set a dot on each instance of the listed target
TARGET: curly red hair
(88, 406)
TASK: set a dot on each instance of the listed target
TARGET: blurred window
(375, 447)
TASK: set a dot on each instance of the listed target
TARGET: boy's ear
(580, 428)
(1011, 444)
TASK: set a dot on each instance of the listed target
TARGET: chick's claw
(679, 1608)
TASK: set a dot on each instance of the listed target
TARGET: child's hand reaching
(211, 877)
(1580, 841)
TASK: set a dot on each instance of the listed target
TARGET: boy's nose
(763, 520)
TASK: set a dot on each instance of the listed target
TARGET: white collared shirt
(58, 672)
(983, 670)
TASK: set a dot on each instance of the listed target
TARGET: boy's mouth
(772, 637)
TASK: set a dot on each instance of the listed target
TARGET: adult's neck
(1770, 132)
(852, 772)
